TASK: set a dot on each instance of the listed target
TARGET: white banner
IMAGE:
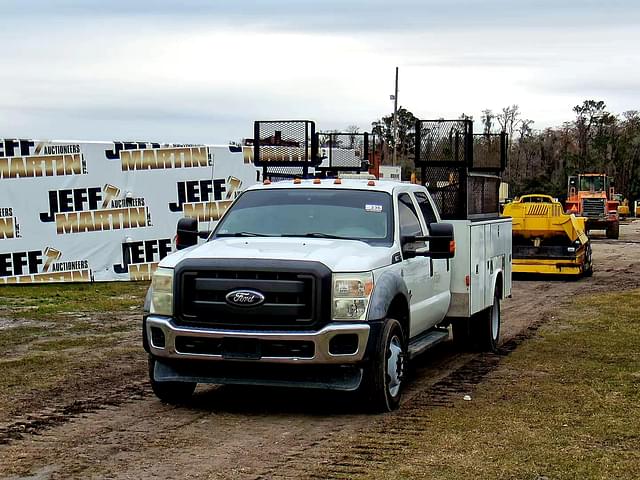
(98, 211)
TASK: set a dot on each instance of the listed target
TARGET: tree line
(540, 161)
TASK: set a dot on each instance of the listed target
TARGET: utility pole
(395, 123)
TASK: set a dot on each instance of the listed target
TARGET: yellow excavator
(546, 240)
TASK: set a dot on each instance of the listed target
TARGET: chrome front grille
(293, 294)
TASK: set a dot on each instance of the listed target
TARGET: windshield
(592, 183)
(305, 212)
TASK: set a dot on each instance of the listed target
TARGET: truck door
(415, 271)
(440, 268)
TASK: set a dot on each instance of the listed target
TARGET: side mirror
(441, 243)
(186, 233)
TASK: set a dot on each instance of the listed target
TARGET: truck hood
(337, 255)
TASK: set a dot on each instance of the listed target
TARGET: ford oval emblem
(244, 298)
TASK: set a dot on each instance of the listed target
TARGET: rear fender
(497, 276)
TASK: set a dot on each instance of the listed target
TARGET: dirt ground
(111, 426)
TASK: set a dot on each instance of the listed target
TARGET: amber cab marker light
(337, 181)
(316, 181)
(297, 181)
(371, 183)
(267, 182)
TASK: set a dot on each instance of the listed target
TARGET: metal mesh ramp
(489, 152)
(461, 170)
(443, 142)
(285, 148)
(344, 151)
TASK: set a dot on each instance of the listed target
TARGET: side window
(425, 206)
(409, 223)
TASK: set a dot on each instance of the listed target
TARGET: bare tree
(588, 114)
(508, 120)
(353, 130)
(487, 120)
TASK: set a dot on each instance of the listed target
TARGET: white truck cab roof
(388, 186)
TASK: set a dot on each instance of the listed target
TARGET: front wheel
(175, 393)
(488, 327)
(384, 376)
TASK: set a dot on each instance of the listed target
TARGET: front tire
(384, 376)
(174, 393)
(613, 230)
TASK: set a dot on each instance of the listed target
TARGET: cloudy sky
(203, 70)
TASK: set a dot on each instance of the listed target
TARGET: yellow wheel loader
(546, 240)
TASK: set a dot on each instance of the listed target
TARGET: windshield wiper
(244, 234)
(318, 235)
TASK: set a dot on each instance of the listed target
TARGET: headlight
(351, 292)
(162, 292)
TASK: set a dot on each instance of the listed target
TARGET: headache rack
(293, 149)
(462, 171)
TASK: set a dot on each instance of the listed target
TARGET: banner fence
(105, 211)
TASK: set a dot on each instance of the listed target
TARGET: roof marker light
(317, 181)
(337, 181)
(371, 183)
(297, 181)
(267, 182)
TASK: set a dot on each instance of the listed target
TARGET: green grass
(565, 405)
(51, 301)
(17, 336)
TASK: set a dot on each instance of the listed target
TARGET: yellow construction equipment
(546, 240)
(623, 207)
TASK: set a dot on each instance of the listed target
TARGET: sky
(201, 71)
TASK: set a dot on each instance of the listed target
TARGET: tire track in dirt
(36, 423)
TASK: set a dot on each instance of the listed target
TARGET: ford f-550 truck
(329, 283)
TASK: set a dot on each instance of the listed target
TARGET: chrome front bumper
(321, 340)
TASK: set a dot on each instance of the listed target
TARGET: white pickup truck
(329, 283)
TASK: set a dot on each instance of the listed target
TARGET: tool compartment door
(477, 268)
(494, 255)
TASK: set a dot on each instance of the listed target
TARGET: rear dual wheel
(481, 332)
(488, 327)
